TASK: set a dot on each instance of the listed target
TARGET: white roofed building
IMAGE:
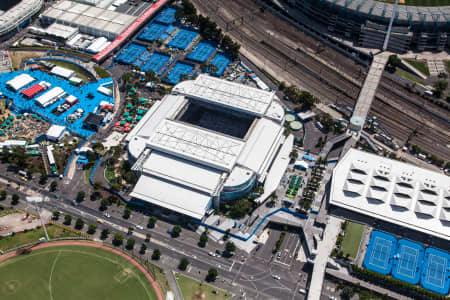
(55, 132)
(393, 191)
(20, 81)
(50, 97)
(209, 141)
(62, 72)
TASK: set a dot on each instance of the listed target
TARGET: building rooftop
(225, 93)
(393, 191)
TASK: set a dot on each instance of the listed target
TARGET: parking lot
(17, 222)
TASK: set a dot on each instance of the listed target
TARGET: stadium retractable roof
(239, 97)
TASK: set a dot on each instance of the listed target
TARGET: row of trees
(14, 198)
(305, 99)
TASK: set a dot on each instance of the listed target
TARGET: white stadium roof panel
(183, 172)
(196, 144)
(261, 146)
(235, 96)
(413, 198)
(172, 196)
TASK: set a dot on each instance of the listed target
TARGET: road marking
(231, 267)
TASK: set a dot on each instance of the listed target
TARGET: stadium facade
(209, 141)
(17, 17)
(366, 22)
(392, 191)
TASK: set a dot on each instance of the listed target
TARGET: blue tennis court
(155, 63)
(436, 271)
(130, 53)
(407, 264)
(380, 252)
(88, 96)
(141, 59)
(178, 70)
(167, 16)
(202, 52)
(183, 39)
(221, 62)
(152, 32)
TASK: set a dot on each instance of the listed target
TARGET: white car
(107, 215)
(276, 277)
(139, 227)
(212, 254)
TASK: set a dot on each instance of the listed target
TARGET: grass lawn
(409, 76)
(80, 73)
(101, 72)
(18, 56)
(33, 236)
(109, 174)
(157, 274)
(421, 66)
(352, 239)
(193, 290)
(72, 273)
(87, 174)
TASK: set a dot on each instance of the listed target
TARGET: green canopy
(19, 115)
(126, 114)
(34, 115)
(133, 89)
(38, 118)
(138, 118)
(129, 119)
(122, 122)
(140, 112)
(2, 132)
(132, 125)
(4, 125)
(8, 121)
(130, 93)
(11, 117)
(129, 105)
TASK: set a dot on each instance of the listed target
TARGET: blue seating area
(20, 104)
(155, 63)
(380, 252)
(407, 264)
(167, 16)
(141, 59)
(221, 62)
(202, 52)
(183, 39)
(436, 271)
(130, 53)
(152, 32)
(178, 70)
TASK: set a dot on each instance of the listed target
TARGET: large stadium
(418, 24)
(209, 141)
(15, 14)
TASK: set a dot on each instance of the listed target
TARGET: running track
(135, 263)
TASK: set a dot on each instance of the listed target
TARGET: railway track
(257, 36)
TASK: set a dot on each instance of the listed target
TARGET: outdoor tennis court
(436, 271)
(380, 252)
(202, 52)
(183, 39)
(408, 260)
(178, 70)
(141, 59)
(221, 62)
(131, 53)
(152, 32)
(167, 16)
(155, 63)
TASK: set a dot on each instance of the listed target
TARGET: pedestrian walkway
(368, 90)
(436, 67)
(320, 262)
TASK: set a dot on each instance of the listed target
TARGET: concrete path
(174, 285)
(413, 69)
(320, 262)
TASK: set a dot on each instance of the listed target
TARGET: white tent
(20, 81)
(49, 97)
(62, 72)
(301, 164)
(55, 132)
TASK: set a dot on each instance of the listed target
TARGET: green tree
(212, 275)
(3, 194)
(130, 230)
(151, 221)
(92, 228)
(203, 239)
(130, 244)
(53, 186)
(67, 219)
(230, 247)
(95, 195)
(43, 179)
(184, 263)
(118, 239)
(241, 208)
(79, 224)
(393, 63)
(103, 204)
(56, 215)
(126, 213)
(347, 292)
(104, 234)
(156, 254)
(176, 230)
(439, 87)
(143, 249)
(80, 196)
(15, 199)
(148, 236)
